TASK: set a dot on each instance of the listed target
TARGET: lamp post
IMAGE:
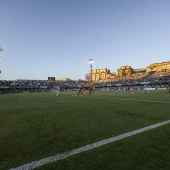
(1, 52)
(91, 63)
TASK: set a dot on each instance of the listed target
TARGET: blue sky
(56, 38)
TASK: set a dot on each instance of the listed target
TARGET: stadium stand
(157, 79)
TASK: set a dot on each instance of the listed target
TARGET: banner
(149, 88)
(87, 77)
(144, 82)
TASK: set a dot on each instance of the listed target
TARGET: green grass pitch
(38, 125)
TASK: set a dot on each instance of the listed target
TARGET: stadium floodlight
(1, 52)
(91, 63)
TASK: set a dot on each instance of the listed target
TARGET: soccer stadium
(122, 124)
(84, 85)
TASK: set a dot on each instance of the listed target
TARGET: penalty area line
(61, 156)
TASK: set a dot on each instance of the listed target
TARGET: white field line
(131, 100)
(61, 156)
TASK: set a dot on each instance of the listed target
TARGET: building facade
(125, 71)
(139, 71)
(128, 70)
(98, 74)
(62, 79)
(158, 66)
(57, 79)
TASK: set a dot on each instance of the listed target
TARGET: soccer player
(57, 90)
(80, 91)
(90, 90)
(93, 89)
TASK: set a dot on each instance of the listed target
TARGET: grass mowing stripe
(58, 157)
(132, 100)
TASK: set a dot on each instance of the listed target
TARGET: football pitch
(34, 126)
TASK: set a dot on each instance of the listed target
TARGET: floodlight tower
(1, 54)
(91, 63)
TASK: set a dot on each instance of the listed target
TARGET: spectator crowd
(155, 79)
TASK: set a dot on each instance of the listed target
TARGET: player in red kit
(80, 91)
(90, 90)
